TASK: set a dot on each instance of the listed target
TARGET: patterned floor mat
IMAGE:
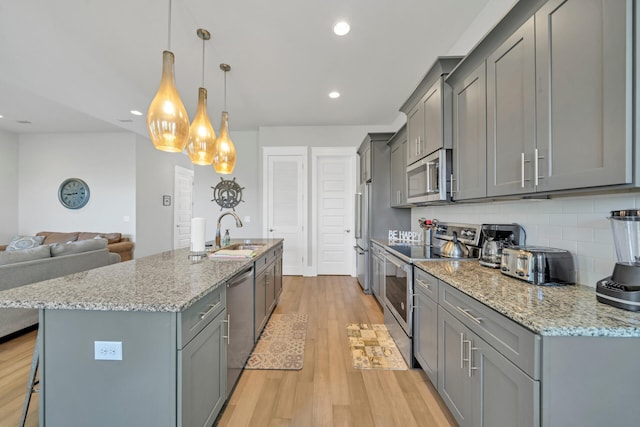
(373, 348)
(281, 345)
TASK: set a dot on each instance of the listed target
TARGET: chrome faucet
(238, 224)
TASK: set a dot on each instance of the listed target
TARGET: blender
(622, 288)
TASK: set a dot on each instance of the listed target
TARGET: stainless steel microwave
(428, 179)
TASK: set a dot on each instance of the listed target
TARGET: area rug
(281, 345)
(373, 348)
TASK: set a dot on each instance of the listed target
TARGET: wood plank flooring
(328, 391)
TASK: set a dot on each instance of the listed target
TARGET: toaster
(539, 265)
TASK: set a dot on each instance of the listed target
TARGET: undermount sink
(243, 246)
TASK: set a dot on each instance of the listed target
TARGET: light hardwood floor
(327, 391)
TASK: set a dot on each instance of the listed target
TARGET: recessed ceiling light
(341, 28)
(1, 116)
(334, 95)
(136, 113)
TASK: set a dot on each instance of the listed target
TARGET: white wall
(8, 186)
(246, 175)
(154, 173)
(577, 224)
(105, 161)
(492, 13)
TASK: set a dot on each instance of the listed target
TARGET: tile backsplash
(577, 224)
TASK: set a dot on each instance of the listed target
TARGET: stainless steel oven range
(398, 287)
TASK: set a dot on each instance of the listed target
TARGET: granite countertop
(547, 310)
(168, 281)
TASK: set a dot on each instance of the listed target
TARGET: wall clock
(73, 193)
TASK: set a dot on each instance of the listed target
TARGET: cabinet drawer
(426, 282)
(267, 258)
(512, 340)
(195, 318)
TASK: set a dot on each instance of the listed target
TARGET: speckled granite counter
(548, 311)
(165, 282)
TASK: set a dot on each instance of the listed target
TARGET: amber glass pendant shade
(167, 119)
(225, 153)
(202, 137)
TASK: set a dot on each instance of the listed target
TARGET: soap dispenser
(226, 239)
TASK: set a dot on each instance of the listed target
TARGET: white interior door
(333, 189)
(285, 204)
(182, 207)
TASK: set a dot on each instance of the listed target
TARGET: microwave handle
(428, 172)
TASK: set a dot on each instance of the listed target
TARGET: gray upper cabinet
(470, 136)
(557, 112)
(365, 163)
(428, 111)
(415, 132)
(398, 146)
(511, 132)
(583, 70)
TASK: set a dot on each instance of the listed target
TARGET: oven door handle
(399, 264)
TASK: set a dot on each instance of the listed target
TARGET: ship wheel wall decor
(227, 194)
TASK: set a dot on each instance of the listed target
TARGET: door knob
(271, 230)
(348, 230)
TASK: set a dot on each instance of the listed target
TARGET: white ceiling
(82, 65)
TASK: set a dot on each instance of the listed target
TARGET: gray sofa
(45, 262)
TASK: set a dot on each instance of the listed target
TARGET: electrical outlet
(107, 350)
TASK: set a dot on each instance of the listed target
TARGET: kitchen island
(162, 318)
(513, 353)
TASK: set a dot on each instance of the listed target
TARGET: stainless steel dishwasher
(240, 323)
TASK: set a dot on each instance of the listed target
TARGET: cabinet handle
(228, 322)
(462, 340)
(211, 307)
(465, 311)
(537, 167)
(471, 367)
(425, 285)
(452, 180)
(522, 162)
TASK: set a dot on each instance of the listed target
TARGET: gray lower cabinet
(425, 324)
(480, 386)
(488, 365)
(172, 372)
(202, 375)
(470, 136)
(267, 287)
(378, 271)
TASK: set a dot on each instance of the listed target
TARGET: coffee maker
(622, 288)
(495, 238)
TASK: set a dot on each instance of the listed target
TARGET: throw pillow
(19, 243)
(59, 249)
(32, 254)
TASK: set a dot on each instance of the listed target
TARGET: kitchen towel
(233, 253)
(198, 227)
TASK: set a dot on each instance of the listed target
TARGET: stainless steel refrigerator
(374, 216)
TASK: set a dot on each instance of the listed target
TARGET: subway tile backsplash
(577, 224)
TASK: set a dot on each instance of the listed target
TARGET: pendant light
(202, 137)
(225, 153)
(167, 119)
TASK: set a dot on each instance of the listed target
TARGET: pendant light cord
(225, 91)
(203, 61)
(169, 32)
